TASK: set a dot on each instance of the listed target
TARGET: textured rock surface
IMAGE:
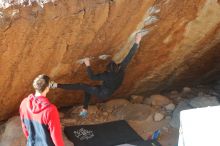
(182, 44)
(12, 135)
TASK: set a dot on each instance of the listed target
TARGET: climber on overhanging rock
(112, 79)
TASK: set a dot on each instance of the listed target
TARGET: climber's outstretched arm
(131, 53)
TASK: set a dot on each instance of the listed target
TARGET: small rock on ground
(158, 117)
(170, 107)
(186, 90)
(159, 100)
(136, 99)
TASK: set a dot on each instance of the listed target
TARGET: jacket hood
(37, 104)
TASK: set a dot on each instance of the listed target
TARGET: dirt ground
(168, 136)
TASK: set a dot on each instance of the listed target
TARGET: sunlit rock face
(182, 44)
